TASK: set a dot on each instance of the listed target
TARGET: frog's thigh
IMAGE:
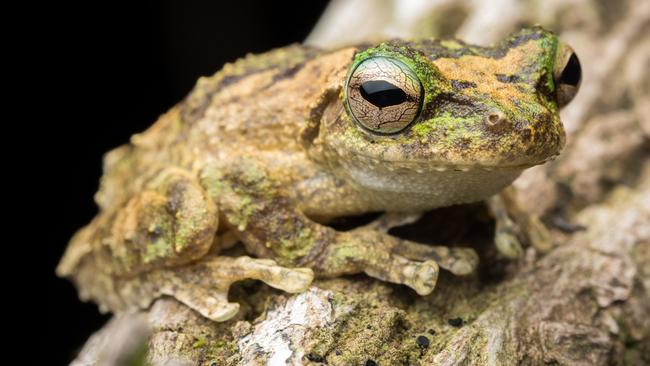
(170, 222)
(270, 225)
(204, 286)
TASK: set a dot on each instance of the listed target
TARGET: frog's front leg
(269, 224)
(459, 261)
(514, 227)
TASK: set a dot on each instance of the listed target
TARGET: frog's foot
(459, 261)
(515, 227)
(391, 259)
(204, 286)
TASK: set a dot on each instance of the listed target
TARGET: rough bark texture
(586, 302)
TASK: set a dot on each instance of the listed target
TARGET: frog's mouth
(422, 166)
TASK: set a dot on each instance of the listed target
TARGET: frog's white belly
(407, 190)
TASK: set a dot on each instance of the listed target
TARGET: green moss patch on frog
(453, 130)
(298, 246)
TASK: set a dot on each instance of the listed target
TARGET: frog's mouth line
(422, 166)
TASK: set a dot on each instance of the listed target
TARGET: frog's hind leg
(515, 227)
(157, 244)
(204, 286)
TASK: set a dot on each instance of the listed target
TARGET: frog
(268, 151)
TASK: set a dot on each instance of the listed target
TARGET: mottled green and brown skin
(265, 151)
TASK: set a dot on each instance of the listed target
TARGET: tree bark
(586, 302)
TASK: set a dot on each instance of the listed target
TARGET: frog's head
(434, 105)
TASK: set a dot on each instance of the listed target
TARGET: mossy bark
(586, 302)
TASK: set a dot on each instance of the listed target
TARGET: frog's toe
(218, 311)
(538, 235)
(508, 244)
(420, 276)
(210, 302)
(424, 278)
(222, 312)
(459, 261)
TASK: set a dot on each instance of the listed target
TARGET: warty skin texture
(265, 151)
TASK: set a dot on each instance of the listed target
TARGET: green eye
(384, 95)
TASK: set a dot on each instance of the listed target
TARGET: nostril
(496, 121)
(494, 118)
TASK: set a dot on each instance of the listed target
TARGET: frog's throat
(404, 190)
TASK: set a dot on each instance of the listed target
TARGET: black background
(117, 67)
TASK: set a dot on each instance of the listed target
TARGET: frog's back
(258, 103)
(255, 105)
(249, 105)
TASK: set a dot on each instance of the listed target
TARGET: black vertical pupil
(572, 73)
(382, 93)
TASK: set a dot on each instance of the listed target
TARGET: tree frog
(274, 146)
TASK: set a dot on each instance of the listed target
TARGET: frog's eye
(383, 95)
(567, 74)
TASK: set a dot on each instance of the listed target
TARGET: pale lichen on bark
(587, 302)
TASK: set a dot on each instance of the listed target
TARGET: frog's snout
(496, 121)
